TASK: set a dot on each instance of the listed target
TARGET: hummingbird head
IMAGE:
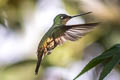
(62, 19)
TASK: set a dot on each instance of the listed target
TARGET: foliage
(112, 53)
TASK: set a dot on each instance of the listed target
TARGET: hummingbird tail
(38, 62)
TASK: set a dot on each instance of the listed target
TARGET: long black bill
(81, 14)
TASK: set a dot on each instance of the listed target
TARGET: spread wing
(74, 32)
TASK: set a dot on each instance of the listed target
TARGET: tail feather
(38, 62)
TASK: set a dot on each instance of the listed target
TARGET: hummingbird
(59, 33)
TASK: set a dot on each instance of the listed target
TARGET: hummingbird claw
(49, 52)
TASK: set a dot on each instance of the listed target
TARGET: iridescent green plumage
(60, 33)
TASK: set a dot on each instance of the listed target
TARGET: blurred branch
(15, 12)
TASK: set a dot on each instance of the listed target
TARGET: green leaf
(109, 66)
(105, 55)
(89, 66)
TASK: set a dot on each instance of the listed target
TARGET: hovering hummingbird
(60, 33)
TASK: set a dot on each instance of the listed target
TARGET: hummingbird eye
(62, 17)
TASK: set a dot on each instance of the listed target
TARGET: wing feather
(74, 32)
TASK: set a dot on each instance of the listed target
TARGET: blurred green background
(24, 22)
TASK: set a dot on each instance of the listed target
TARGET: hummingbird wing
(74, 32)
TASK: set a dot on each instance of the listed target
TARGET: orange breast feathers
(48, 45)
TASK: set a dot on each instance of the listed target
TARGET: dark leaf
(109, 66)
(113, 52)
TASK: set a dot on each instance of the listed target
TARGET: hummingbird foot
(49, 52)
